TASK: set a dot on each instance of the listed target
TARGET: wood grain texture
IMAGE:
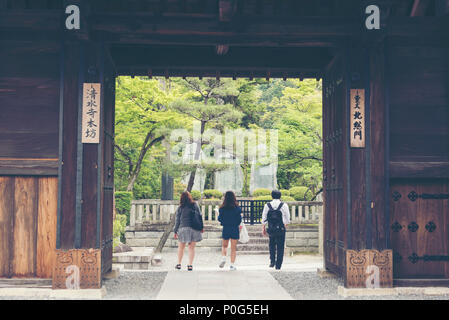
(6, 224)
(46, 235)
(359, 268)
(25, 227)
(87, 260)
(69, 148)
(378, 115)
(419, 107)
(421, 241)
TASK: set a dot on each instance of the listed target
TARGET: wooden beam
(231, 72)
(402, 169)
(419, 8)
(441, 7)
(29, 167)
(226, 10)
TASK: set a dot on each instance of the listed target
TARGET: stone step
(253, 252)
(258, 241)
(256, 234)
(252, 247)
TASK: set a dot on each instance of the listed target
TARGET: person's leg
(272, 246)
(181, 247)
(224, 247)
(233, 250)
(280, 243)
(191, 252)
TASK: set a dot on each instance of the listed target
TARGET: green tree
(207, 106)
(143, 119)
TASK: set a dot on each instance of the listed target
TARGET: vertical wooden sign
(357, 118)
(91, 113)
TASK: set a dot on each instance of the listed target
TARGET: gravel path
(309, 286)
(134, 286)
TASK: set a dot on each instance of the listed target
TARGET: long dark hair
(229, 201)
(186, 199)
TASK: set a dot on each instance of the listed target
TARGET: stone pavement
(207, 260)
(251, 281)
(221, 285)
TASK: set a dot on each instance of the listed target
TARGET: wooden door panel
(419, 229)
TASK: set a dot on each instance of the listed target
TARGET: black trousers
(277, 243)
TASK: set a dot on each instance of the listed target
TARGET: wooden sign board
(369, 267)
(357, 118)
(91, 113)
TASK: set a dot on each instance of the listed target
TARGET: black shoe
(271, 265)
(178, 267)
(189, 268)
(278, 268)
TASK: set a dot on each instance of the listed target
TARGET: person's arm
(285, 214)
(239, 217)
(220, 216)
(264, 219)
(177, 221)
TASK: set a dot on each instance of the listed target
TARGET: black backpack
(275, 223)
(197, 219)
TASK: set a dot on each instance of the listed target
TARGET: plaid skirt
(187, 235)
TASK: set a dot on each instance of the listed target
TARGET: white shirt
(275, 204)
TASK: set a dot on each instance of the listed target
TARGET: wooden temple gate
(385, 120)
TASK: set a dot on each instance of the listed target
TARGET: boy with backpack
(277, 215)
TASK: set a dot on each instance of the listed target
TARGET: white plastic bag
(244, 237)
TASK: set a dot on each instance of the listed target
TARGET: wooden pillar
(81, 168)
(83, 175)
(368, 169)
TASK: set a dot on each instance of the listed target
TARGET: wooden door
(419, 228)
(27, 226)
(334, 148)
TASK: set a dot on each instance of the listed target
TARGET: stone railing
(159, 211)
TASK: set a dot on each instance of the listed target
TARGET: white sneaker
(232, 268)
(223, 262)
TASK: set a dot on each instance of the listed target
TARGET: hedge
(196, 195)
(261, 192)
(285, 192)
(212, 193)
(123, 203)
(283, 198)
(299, 193)
(119, 227)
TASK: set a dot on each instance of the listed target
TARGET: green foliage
(178, 189)
(123, 203)
(283, 198)
(119, 226)
(212, 194)
(300, 193)
(261, 192)
(196, 195)
(148, 109)
(263, 198)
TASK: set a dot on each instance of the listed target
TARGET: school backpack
(275, 222)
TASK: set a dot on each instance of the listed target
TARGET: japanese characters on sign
(357, 118)
(91, 113)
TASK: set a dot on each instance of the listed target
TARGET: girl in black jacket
(230, 218)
